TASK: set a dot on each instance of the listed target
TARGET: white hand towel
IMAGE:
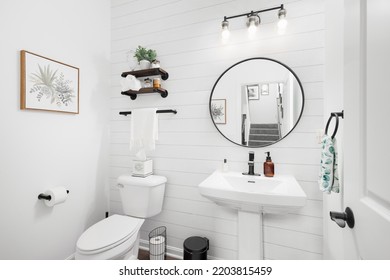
(130, 82)
(143, 131)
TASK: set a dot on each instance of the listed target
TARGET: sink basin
(279, 194)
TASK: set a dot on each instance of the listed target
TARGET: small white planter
(144, 64)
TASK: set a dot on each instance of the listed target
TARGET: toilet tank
(142, 197)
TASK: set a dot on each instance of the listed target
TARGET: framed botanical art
(265, 89)
(252, 91)
(48, 85)
(218, 110)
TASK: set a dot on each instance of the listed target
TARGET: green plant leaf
(142, 53)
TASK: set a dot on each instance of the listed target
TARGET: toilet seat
(116, 233)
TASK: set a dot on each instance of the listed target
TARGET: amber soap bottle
(269, 169)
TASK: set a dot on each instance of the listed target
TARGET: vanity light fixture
(253, 21)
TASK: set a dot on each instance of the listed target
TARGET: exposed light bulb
(252, 23)
(225, 30)
(252, 28)
(225, 34)
(282, 23)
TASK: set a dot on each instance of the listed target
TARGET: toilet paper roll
(58, 195)
(157, 247)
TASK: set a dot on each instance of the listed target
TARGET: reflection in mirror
(256, 102)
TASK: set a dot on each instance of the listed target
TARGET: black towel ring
(335, 115)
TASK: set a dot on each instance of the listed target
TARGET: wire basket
(157, 243)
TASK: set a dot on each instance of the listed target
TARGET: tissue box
(142, 168)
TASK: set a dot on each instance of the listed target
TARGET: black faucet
(251, 165)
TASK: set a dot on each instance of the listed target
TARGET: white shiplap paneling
(186, 37)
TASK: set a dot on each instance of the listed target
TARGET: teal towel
(328, 177)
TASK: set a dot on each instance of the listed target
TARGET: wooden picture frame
(48, 85)
(218, 110)
(253, 92)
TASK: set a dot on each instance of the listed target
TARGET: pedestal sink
(252, 196)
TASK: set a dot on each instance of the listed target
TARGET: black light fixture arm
(251, 13)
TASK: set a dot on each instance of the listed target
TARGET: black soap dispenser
(269, 169)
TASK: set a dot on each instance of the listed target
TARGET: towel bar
(334, 115)
(158, 111)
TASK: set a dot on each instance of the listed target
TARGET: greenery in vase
(142, 53)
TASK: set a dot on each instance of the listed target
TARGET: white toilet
(117, 237)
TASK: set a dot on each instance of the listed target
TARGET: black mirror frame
(262, 58)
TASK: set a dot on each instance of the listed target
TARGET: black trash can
(195, 248)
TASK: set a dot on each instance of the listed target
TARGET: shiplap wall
(186, 35)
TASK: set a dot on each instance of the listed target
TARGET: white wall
(186, 35)
(229, 88)
(333, 102)
(40, 150)
(264, 109)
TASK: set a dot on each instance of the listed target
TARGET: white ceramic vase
(144, 64)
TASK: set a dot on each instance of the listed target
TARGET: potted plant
(145, 56)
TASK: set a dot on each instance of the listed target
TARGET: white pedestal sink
(252, 196)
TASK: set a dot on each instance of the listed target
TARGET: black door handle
(342, 218)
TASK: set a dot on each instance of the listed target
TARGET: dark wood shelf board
(147, 72)
(133, 93)
(145, 90)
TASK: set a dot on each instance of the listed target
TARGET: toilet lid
(109, 232)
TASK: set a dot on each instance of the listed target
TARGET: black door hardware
(335, 115)
(342, 218)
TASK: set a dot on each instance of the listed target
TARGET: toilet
(117, 237)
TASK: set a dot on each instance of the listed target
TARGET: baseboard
(144, 245)
(71, 257)
(173, 252)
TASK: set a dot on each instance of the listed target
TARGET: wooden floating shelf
(147, 72)
(158, 112)
(133, 93)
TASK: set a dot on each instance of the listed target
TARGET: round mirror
(256, 102)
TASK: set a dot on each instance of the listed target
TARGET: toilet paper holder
(46, 196)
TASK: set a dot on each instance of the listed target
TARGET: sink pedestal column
(250, 236)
